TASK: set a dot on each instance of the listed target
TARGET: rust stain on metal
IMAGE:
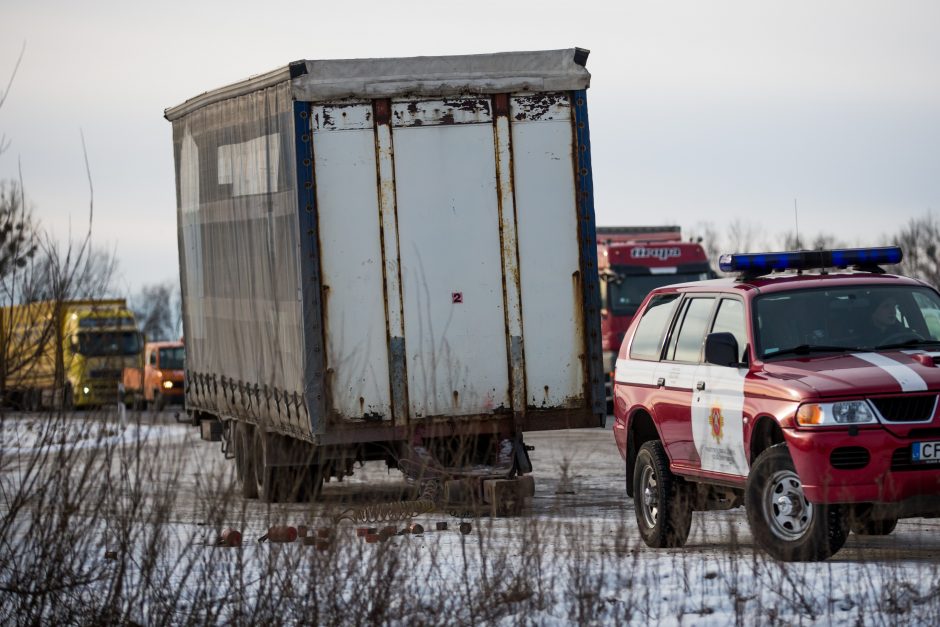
(383, 111)
(446, 111)
(471, 105)
(501, 104)
(538, 106)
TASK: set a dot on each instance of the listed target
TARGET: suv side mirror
(721, 349)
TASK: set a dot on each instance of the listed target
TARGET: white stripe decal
(918, 351)
(635, 372)
(909, 380)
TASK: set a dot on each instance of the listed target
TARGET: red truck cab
(809, 396)
(633, 260)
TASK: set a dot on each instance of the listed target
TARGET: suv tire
(661, 500)
(783, 522)
(861, 523)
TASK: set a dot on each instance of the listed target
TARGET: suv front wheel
(663, 507)
(784, 523)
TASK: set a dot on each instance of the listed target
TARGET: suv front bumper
(833, 468)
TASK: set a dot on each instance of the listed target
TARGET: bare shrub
(920, 241)
(158, 311)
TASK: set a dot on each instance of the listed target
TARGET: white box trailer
(384, 256)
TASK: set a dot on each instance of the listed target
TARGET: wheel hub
(786, 509)
(786, 505)
(650, 504)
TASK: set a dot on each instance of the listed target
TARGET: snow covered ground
(111, 521)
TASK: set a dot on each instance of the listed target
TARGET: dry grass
(110, 533)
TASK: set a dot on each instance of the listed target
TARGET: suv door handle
(700, 385)
(661, 382)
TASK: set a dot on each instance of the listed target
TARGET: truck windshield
(627, 291)
(846, 319)
(97, 344)
(172, 358)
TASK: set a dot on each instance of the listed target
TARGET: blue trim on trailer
(314, 355)
(590, 278)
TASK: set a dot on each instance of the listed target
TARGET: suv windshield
(627, 291)
(849, 318)
(172, 358)
(109, 343)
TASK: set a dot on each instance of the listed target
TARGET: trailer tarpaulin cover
(238, 242)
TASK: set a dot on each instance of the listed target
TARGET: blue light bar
(763, 263)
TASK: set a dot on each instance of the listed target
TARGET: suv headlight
(830, 414)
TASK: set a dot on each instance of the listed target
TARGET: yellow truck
(66, 354)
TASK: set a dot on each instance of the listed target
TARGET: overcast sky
(700, 111)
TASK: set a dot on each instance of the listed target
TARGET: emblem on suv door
(717, 422)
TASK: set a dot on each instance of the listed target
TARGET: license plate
(925, 451)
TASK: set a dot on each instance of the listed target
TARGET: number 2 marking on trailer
(456, 297)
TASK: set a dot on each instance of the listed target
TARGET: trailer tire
(307, 483)
(244, 460)
(269, 480)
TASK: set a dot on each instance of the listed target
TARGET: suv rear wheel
(784, 523)
(862, 523)
(663, 507)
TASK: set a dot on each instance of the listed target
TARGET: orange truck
(160, 381)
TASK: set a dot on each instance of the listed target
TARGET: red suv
(805, 389)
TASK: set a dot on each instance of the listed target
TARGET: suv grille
(849, 457)
(906, 408)
(901, 460)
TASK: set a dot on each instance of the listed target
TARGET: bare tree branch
(4, 142)
(920, 239)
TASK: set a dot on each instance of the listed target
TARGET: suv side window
(730, 319)
(686, 344)
(647, 341)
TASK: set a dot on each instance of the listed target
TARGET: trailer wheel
(269, 479)
(662, 503)
(783, 522)
(307, 483)
(244, 460)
